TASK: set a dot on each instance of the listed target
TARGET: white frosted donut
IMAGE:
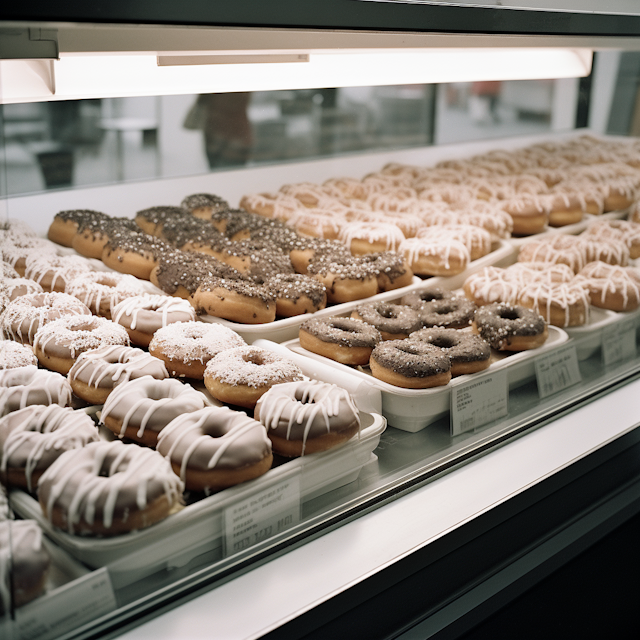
(559, 249)
(562, 304)
(621, 230)
(139, 409)
(371, 237)
(59, 343)
(15, 249)
(24, 316)
(108, 488)
(525, 272)
(317, 223)
(435, 257)
(97, 372)
(215, 447)
(240, 376)
(142, 316)
(32, 438)
(307, 417)
(610, 286)
(490, 285)
(24, 386)
(186, 347)
(14, 354)
(16, 287)
(476, 239)
(53, 273)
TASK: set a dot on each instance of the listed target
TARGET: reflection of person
(227, 130)
(489, 92)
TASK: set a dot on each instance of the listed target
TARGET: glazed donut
(435, 257)
(204, 205)
(411, 364)
(490, 285)
(565, 208)
(558, 249)
(66, 223)
(24, 386)
(142, 316)
(497, 222)
(102, 291)
(136, 253)
(611, 287)
(33, 437)
(307, 417)
(525, 272)
(318, 223)
(393, 321)
(24, 316)
(96, 373)
(620, 230)
(476, 239)
(14, 354)
(16, 287)
(345, 282)
(468, 352)
(58, 344)
(139, 409)
(450, 313)
(108, 488)
(509, 327)
(24, 564)
(186, 347)
(562, 304)
(390, 268)
(610, 250)
(297, 294)
(215, 448)
(237, 300)
(240, 376)
(8, 271)
(344, 340)
(370, 237)
(530, 214)
(53, 273)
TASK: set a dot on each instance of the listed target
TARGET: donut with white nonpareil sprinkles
(151, 220)
(96, 373)
(32, 438)
(139, 409)
(215, 448)
(59, 343)
(345, 280)
(307, 417)
(393, 321)
(186, 347)
(450, 313)
(142, 316)
(296, 294)
(204, 205)
(390, 268)
(24, 386)
(509, 327)
(65, 224)
(108, 488)
(14, 354)
(17, 287)
(136, 253)
(53, 273)
(241, 376)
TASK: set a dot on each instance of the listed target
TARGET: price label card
(557, 370)
(67, 607)
(619, 342)
(479, 401)
(266, 513)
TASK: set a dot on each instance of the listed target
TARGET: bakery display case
(446, 502)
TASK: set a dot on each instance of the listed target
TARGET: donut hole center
(253, 358)
(443, 342)
(387, 313)
(508, 314)
(430, 296)
(445, 309)
(84, 326)
(303, 398)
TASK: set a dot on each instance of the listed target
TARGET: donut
(237, 300)
(24, 564)
(611, 287)
(530, 214)
(8, 271)
(151, 220)
(297, 294)
(621, 230)
(102, 291)
(559, 249)
(565, 208)
(271, 205)
(58, 344)
(411, 364)
(307, 417)
(108, 488)
(25, 386)
(240, 376)
(525, 272)
(204, 205)
(142, 316)
(304, 251)
(390, 268)
(15, 251)
(52, 273)
(415, 299)
(186, 347)
(215, 448)
(445, 257)
(318, 223)
(468, 352)
(66, 223)
(14, 355)
(353, 280)
(370, 237)
(344, 340)
(94, 233)
(509, 327)
(450, 313)
(609, 250)
(393, 321)
(24, 316)
(135, 253)
(562, 304)
(476, 239)
(139, 409)
(96, 373)
(490, 285)
(16, 287)
(31, 439)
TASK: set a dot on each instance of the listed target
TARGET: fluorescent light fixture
(76, 76)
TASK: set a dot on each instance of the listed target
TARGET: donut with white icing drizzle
(142, 316)
(242, 375)
(611, 287)
(215, 448)
(24, 386)
(16, 287)
(53, 273)
(371, 237)
(440, 257)
(14, 354)
(108, 488)
(32, 438)
(562, 304)
(96, 373)
(139, 409)
(307, 417)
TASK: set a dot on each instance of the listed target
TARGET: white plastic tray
(414, 409)
(287, 328)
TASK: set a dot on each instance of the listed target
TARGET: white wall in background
(564, 104)
(603, 84)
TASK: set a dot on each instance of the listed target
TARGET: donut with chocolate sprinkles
(510, 327)
(65, 224)
(204, 205)
(393, 321)
(449, 313)
(297, 294)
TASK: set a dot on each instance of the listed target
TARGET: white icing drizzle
(372, 232)
(442, 249)
(94, 287)
(569, 296)
(14, 354)
(163, 305)
(24, 385)
(60, 269)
